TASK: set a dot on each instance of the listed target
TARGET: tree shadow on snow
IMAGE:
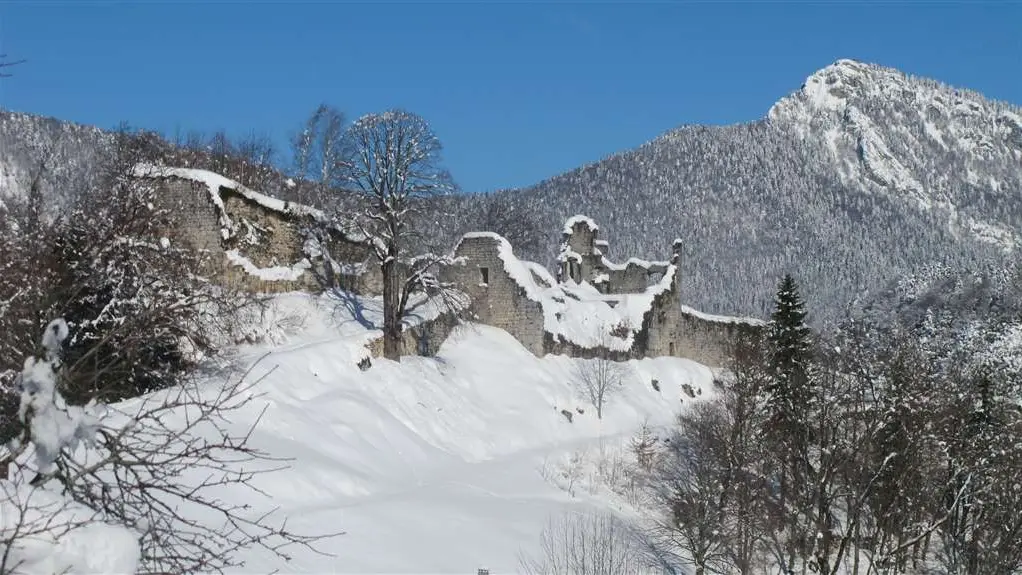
(350, 304)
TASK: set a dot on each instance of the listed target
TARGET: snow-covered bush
(42, 530)
(138, 308)
(163, 480)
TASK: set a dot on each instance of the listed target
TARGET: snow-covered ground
(432, 465)
(439, 465)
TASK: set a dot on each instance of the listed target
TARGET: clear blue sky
(518, 92)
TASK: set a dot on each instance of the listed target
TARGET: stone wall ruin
(264, 244)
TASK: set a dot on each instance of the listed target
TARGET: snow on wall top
(275, 273)
(487, 235)
(214, 182)
(579, 219)
(722, 318)
(644, 264)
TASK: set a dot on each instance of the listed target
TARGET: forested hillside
(861, 176)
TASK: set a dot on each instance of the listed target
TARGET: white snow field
(437, 465)
(431, 465)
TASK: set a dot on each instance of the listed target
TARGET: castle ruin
(590, 306)
(593, 306)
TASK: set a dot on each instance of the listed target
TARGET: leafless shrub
(599, 378)
(134, 291)
(113, 264)
(29, 515)
(594, 544)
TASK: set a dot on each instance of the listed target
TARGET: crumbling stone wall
(426, 338)
(190, 199)
(711, 342)
(271, 238)
(360, 269)
(585, 259)
(581, 238)
(423, 339)
(266, 237)
(633, 278)
(580, 261)
(497, 299)
(668, 328)
(570, 349)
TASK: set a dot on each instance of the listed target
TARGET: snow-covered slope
(435, 465)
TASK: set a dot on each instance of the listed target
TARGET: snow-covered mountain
(923, 142)
(62, 155)
(860, 176)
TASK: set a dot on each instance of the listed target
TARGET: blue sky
(518, 92)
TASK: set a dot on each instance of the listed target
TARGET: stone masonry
(497, 298)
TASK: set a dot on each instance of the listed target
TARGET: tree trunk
(391, 310)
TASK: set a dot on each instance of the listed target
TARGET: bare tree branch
(5, 64)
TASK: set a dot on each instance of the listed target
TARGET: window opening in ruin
(670, 348)
(486, 275)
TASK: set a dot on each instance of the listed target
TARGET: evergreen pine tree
(790, 349)
(788, 429)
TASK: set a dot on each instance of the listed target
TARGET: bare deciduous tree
(600, 377)
(587, 543)
(707, 484)
(692, 485)
(317, 151)
(394, 167)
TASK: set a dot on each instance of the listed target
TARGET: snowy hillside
(61, 155)
(473, 440)
(940, 137)
(433, 465)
